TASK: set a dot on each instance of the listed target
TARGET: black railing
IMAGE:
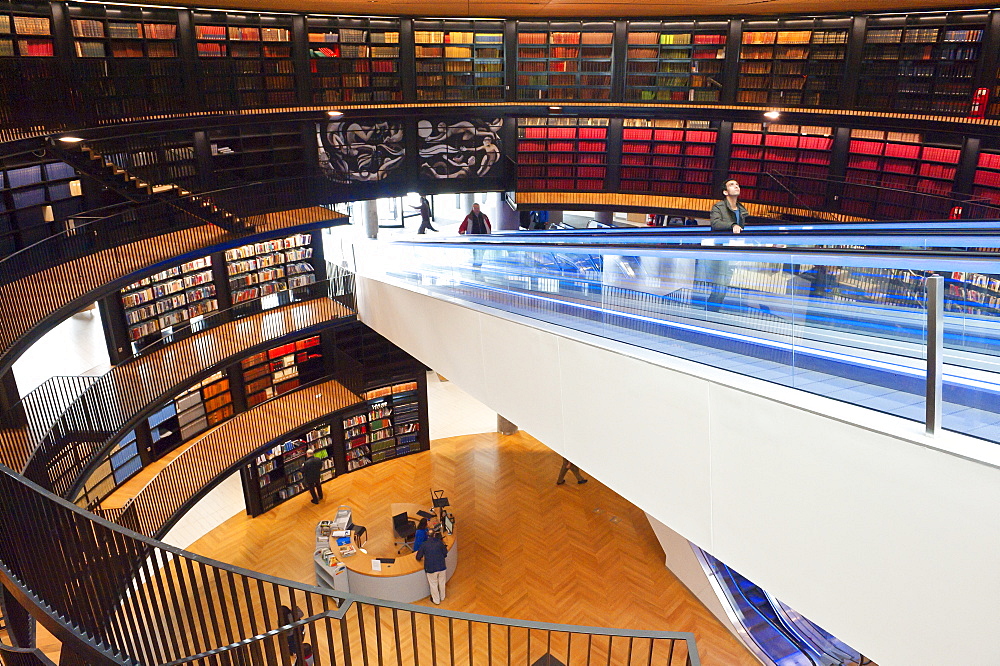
(116, 597)
(929, 205)
(69, 268)
(56, 433)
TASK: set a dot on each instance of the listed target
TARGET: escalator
(776, 633)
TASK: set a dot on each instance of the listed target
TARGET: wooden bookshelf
(36, 198)
(173, 297)
(271, 267)
(26, 31)
(921, 62)
(986, 182)
(793, 62)
(276, 473)
(246, 58)
(898, 169)
(768, 161)
(667, 156)
(459, 60)
(354, 59)
(281, 369)
(256, 152)
(190, 413)
(126, 59)
(116, 467)
(562, 153)
(671, 61)
(386, 426)
(564, 60)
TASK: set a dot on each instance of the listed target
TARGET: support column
(555, 217)
(604, 216)
(505, 427)
(368, 217)
(468, 198)
(507, 218)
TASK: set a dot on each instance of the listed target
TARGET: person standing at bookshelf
(730, 216)
(434, 555)
(310, 475)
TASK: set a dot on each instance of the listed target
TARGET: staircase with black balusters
(95, 165)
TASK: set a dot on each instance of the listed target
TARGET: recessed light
(772, 115)
(555, 108)
(70, 139)
(334, 114)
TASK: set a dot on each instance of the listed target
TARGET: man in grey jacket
(729, 214)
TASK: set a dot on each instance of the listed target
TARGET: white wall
(882, 536)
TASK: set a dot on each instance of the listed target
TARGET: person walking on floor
(567, 466)
(425, 215)
(310, 475)
(433, 553)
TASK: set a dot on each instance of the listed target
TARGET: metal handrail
(44, 432)
(843, 180)
(137, 209)
(176, 622)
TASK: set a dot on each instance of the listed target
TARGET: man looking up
(729, 214)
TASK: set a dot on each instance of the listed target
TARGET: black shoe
(583, 480)
(315, 501)
(559, 483)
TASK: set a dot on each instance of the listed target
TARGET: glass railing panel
(847, 326)
(782, 317)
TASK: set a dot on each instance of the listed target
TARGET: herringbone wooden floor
(571, 554)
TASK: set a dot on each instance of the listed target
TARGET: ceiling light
(555, 108)
(70, 139)
(334, 114)
(772, 115)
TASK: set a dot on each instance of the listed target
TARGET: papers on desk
(345, 546)
(376, 565)
(342, 533)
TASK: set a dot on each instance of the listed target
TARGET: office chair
(405, 531)
(360, 535)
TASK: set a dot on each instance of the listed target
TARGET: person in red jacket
(476, 224)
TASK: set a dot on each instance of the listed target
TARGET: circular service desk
(403, 580)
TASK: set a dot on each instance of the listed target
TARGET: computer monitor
(449, 523)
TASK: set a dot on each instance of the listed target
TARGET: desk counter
(403, 580)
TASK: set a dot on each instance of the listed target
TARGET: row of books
(560, 171)
(456, 37)
(563, 132)
(564, 37)
(31, 25)
(675, 38)
(669, 161)
(569, 185)
(237, 33)
(264, 247)
(561, 158)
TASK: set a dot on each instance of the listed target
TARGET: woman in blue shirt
(421, 534)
